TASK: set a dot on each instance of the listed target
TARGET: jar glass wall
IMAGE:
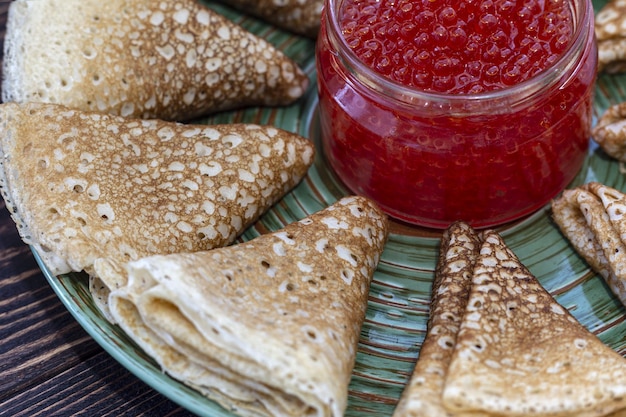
(430, 159)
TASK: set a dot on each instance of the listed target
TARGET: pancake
(610, 29)
(422, 396)
(268, 327)
(170, 60)
(592, 218)
(299, 16)
(519, 353)
(92, 191)
(610, 130)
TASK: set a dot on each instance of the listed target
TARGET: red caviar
(442, 110)
(457, 47)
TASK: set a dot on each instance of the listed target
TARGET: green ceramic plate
(400, 293)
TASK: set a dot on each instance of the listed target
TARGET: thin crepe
(519, 353)
(592, 218)
(610, 130)
(91, 191)
(170, 60)
(299, 16)
(610, 30)
(422, 396)
(268, 327)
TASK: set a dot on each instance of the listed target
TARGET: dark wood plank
(49, 365)
(36, 331)
(35, 328)
(96, 387)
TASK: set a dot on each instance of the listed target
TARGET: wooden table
(49, 366)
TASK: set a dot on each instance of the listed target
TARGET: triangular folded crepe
(266, 327)
(610, 130)
(172, 60)
(610, 29)
(453, 276)
(84, 186)
(519, 353)
(593, 218)
(298, 16)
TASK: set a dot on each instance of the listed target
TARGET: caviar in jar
(443, 111)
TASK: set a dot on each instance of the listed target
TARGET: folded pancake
(519, 353)
(299, 16)
(453, 276)
(592, 218)
(171, 60)
(92, 191)
(610, 130)
(268, 327)
(610, 30)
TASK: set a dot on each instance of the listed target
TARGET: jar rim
(582, 10)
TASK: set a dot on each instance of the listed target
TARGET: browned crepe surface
(422, 395)
(610, 29)
(299, 16)
(94, 191)
(519, 353)
(265, 327)
(592, 218)
(172, 60)
(610, 130)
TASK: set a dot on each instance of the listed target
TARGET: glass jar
(431, 158)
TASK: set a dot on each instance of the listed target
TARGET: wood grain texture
(49, 366)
